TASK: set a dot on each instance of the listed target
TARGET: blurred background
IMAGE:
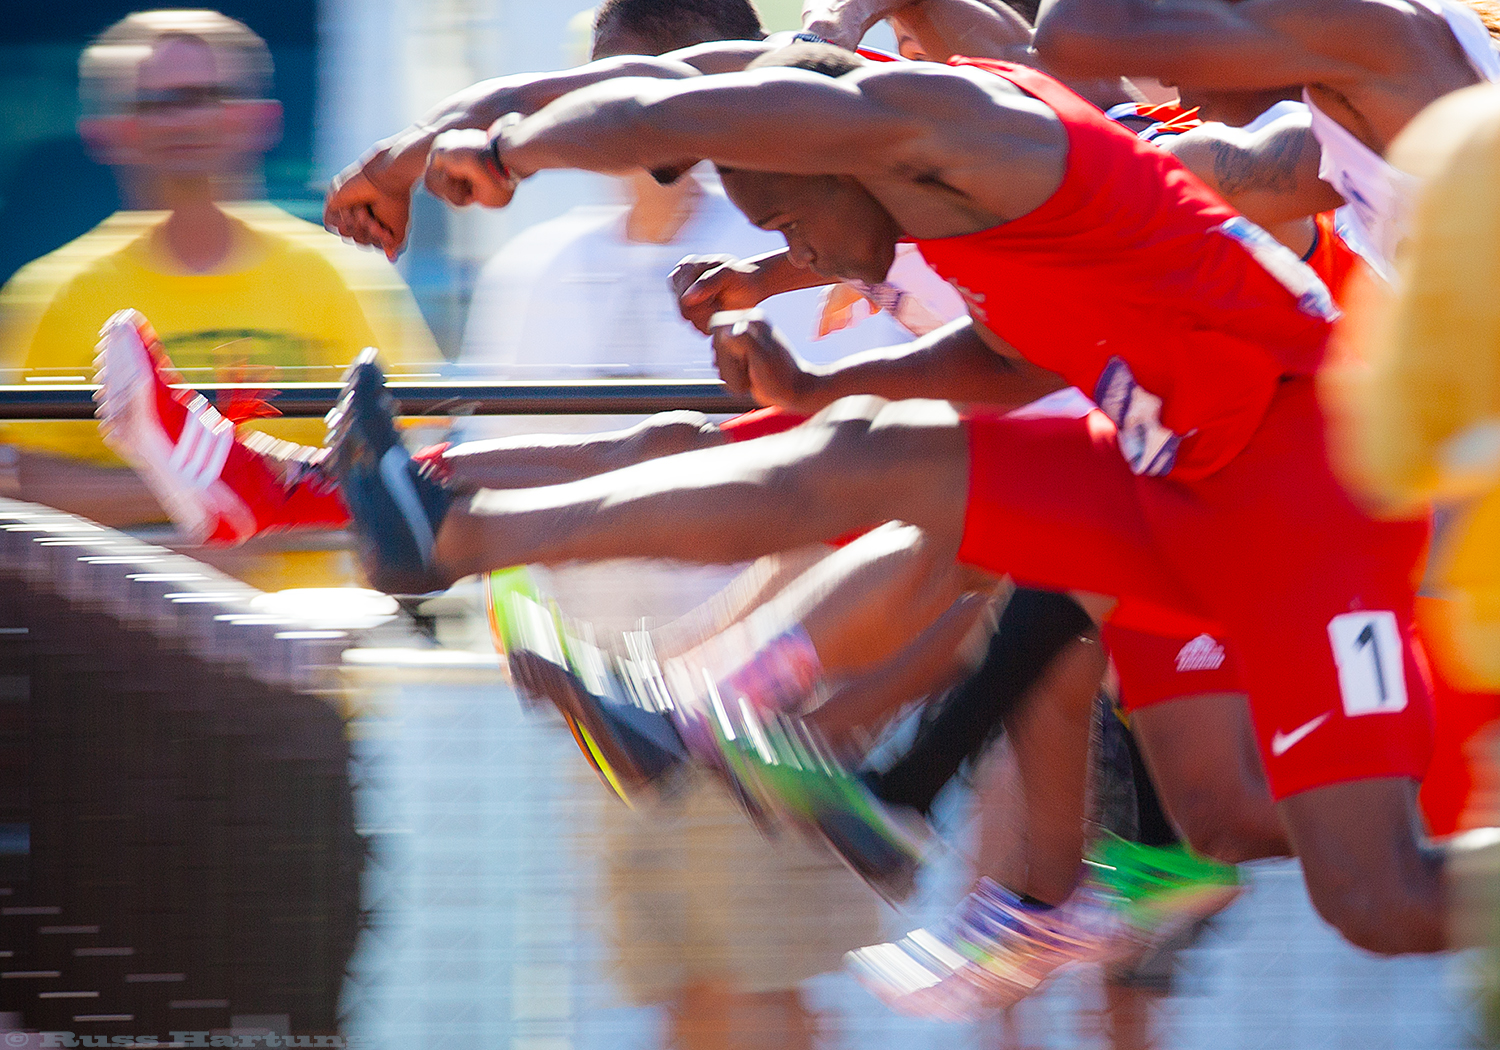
(242, 797)
(347, 73)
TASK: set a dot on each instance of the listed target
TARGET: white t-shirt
(574, 298)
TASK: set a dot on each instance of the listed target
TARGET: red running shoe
(215, 489)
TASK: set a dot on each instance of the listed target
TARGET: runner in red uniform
(1203, 359)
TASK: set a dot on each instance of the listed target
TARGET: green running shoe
(795, 777)
(631, 747)
(1159, 891)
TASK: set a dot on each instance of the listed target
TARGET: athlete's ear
(670, 173)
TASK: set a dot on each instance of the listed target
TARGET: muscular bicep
(1270, 175)
(782, 120)
(1207, 43)
(481, 104)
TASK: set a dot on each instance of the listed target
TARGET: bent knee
(1225, 834)
(668, 433)
(1376, 911)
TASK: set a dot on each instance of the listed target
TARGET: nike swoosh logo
(1281, 743)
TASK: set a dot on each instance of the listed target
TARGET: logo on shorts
(1281, 742)
(1200, 654)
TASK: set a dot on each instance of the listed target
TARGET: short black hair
(828, 59)
(671, 24)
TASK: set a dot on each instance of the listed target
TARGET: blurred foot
(1159, 890)
(792, 774)
(639, 719)
(214, 489)
(395, 507)
(997, 949)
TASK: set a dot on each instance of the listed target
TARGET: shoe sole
(180, 474)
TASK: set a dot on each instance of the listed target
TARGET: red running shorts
(1268, 554)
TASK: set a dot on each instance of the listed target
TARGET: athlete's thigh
(863, 461)
(1318, 600)
(1051, 501)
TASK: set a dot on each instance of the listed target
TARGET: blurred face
(831, 223)
(185, 119)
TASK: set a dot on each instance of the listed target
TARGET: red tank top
(1138, 284)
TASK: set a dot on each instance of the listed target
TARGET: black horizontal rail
(441, 398)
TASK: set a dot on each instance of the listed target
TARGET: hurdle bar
(453, 397)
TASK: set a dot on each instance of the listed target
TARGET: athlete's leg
(1321, 616)
(715, 1016)
(1048, 736)
(1185, 697)
(1369, 870)
(1201, 753)
(531, 460)
(945, 653)
(861, 462)
(1033, 629)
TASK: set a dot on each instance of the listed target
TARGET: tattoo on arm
(1271, 165)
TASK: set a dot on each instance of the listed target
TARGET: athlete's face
(831, 223)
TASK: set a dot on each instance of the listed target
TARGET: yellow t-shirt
(292, 303)
(1422, 412)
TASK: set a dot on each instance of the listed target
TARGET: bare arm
(945, 29)
(1211, 43)
(1270, 175)
(370, 200)
(737, 120)
(708, 284)
(959, 362)
(889, 125)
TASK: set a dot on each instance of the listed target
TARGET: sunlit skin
(1370, 65)
(832, 225)
(891, 130)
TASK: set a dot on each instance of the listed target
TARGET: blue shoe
(633, 748)
(396, 508)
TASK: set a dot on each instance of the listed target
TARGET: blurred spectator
(174, 102)
(586, 294)
(704, 916)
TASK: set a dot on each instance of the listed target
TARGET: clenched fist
(708, 284)
(462, 170)
(754, 358)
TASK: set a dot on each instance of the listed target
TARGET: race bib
(1149, 448)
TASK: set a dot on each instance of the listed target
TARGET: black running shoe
(633, 750)
(395, 508)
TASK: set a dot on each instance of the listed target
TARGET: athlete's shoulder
(983, 74)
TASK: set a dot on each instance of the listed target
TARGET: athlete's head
(178, 92)
(831, 222)
(654, 27)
